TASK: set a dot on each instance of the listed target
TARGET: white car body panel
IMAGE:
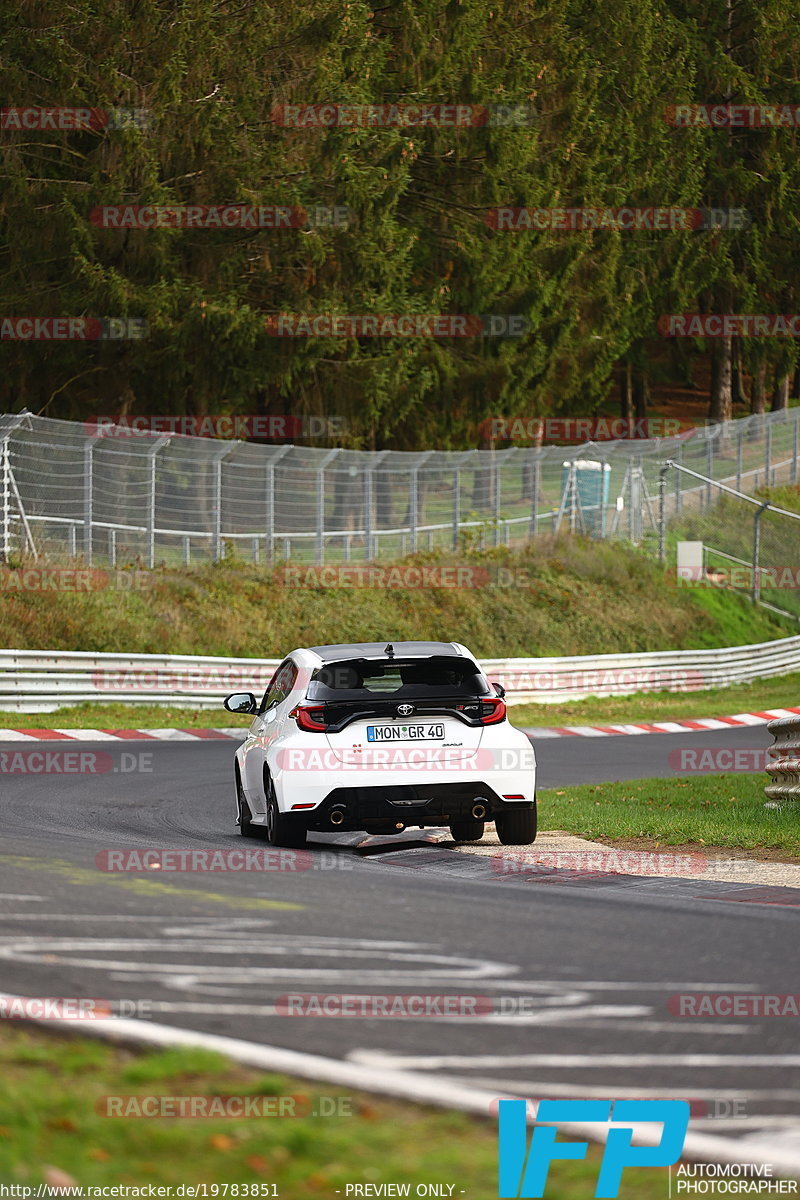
(305, 767)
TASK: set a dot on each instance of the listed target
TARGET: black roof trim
(378, 650)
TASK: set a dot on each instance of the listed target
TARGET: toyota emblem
(405, 710)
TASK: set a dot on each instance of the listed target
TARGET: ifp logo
(523, 1170)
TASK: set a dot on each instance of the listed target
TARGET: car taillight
(310, 719)
(492, 711)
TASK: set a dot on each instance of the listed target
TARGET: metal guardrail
(42, 680)
(785, 767)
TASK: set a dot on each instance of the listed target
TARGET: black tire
(517, 828)
(281, 830)
(467, 830)
(246, 827)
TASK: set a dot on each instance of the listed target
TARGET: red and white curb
(195, 735)
(759, 718)
(120, 735)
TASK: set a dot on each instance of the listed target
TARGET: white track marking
(441, 1092)
(440, 1062)
(88, 735)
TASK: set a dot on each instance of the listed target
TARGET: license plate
(405, 733)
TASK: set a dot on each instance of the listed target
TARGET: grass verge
(709, 810)
(558, 595)
(781, 692)
(51, 1088)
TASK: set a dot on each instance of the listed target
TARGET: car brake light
(492, 711)
(310, 719)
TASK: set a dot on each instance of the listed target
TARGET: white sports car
(377, 737)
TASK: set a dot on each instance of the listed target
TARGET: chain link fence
(735, 541)
(68, 491)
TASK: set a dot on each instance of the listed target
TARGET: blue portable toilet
(590, 480)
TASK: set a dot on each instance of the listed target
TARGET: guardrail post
(413, 499)
(151, 501)
(5, 483)
(709, 468)
(534, 495)
(270, 500)
(456, 505)
(496, 468)
(757, 552)
(87, 500)
(785, 770)
(321, 505)
(413, 507)
(369, 489)
(217, 533)
(662, 510)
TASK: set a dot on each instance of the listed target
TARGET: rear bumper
(409, 804)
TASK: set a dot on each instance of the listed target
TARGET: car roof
(378, 650)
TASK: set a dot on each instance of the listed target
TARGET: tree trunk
(721, 405)
(641, 395)
(626, 394)
(758, 396)
(780, 397)
(740, 396)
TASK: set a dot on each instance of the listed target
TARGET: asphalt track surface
(579, 972)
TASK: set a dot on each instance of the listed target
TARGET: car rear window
(359, 679)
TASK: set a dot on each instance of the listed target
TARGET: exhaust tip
(479, 811)
(337, 816)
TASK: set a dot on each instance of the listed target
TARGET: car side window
(280, 685)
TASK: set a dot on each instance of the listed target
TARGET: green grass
(711, 810)
(727, 526)
(570, 596)
(781, 692)
(125, 716)
(757, 696)
(49, 1089)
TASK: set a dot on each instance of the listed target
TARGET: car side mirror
(241, 702)
(499, 689)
